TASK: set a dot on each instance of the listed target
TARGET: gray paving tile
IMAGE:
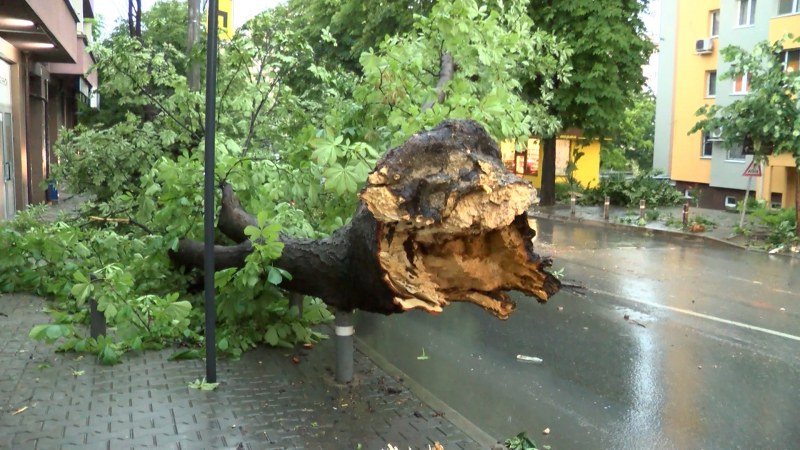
(264, 400)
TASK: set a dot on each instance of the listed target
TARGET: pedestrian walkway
(265, 400)
(720, 225)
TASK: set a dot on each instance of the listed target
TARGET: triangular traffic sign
(753, 170)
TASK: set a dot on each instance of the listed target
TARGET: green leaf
(187, 353)
(203, 385)
(178, 310)
(110, 312)
(38, 332)
(81, 292)
(271, 336)
(53, 332)
(253, 233)
(108, 355)
(274, 276)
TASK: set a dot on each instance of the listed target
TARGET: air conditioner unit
(715, 136)
(703, 46)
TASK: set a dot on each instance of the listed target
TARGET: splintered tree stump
(440, 220)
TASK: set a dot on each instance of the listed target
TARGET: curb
(604, 223)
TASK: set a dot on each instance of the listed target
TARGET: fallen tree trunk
(440, 220)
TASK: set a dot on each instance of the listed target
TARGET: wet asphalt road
(706, 359)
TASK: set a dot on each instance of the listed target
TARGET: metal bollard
(296, 300)
(641, 208)
(686, 214)
(572, 200)
(97, 320)
(344, 346)
(606, 205)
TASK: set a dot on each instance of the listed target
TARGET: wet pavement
(53, 401)
(675, 343)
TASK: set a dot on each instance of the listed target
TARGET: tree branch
(446, 70)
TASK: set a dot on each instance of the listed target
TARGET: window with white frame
(747, 12)
(730, 201)
(735, 154)
(714, 23)
(708, 146)
(711, 83)
(787, 6)
(791, 60)
(741, 84)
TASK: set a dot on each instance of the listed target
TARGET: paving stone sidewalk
(54, 400)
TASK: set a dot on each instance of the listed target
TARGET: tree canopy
(607, 42)
(632, 146)
(295, 158)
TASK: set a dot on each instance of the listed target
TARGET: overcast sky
(113, 10)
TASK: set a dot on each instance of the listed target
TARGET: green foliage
(703, 220)
(632, 146)
(203, 385)
(355, 26)
(296, 159)
(781, 224)
(520, 442)
(627, 191)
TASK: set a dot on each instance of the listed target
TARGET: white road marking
(703, 316)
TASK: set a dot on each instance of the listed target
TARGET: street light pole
(210, 135)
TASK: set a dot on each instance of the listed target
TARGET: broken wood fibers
(452, 223)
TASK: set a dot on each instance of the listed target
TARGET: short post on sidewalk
(641, 208)
(686, 214)
(572, 200)
(344, 346)
(97, 320)
(296, 301)
(606, 205)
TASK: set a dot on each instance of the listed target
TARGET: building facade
(571, 147)
(44, 75)
(692, 35)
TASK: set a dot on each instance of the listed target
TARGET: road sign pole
(744, 204)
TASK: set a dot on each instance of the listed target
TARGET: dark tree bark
(547, 194)
(440, 220)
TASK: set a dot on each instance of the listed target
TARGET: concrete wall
(662, 149)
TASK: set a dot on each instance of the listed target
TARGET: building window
(711, 83)
(791, 60)
(735, 154)
(730, 201)
(708, 146)
(747, 12)
(787, 7)
(525, 162)
(714, 25)
(562, 157)
(741, 84)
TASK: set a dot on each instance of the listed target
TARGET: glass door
(7, 203)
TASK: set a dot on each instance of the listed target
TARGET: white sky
(244, 10)
(112, 10)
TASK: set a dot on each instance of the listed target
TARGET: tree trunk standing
(547, 194)
(135, 18)
(193, 75)
(440, 220)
